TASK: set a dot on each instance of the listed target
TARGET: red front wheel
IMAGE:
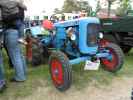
(117, 58)
(60, 70)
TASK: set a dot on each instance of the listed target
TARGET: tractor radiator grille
(92, 34)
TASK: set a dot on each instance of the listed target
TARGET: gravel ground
(119, 89)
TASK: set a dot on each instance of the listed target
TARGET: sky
(37, 6)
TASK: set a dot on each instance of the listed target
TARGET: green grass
(36, 77)
(40, 77)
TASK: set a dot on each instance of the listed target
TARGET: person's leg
(14, 49)
(2, 45)
(9, 58)
(1, 67)
(2, 78)
(20, 27)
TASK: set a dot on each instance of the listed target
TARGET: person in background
(62, 18)
(48, 26)
(11, 21)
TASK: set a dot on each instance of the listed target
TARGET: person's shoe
(22, 41)
(14, 80)
(2, 86)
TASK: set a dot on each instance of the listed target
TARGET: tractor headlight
(73, 37)
(70, 33)
(100, 35)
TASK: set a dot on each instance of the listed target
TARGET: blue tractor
(75, 41)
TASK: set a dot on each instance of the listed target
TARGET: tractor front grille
(92, 34)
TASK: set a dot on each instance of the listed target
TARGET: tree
(84, 5)
(70, 6)
(125, 5)
(74, 5)
(98, 7)
(57, 11)
(109, 6)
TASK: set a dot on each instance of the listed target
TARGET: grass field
(39, 78)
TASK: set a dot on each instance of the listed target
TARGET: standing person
(14, 13)
(11, 18)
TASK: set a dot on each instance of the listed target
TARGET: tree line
(79, 5)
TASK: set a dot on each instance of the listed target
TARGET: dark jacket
(11, 11)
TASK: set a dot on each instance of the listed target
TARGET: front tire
(117, 60)
(60, 70)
